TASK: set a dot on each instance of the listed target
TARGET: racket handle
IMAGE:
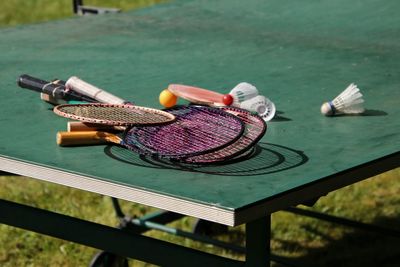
(76, 126)
(84, 88)
(55, 89)
(86, 138)
(42, 86)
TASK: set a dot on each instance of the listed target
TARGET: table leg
(258, 236)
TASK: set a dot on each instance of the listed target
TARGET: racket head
(114, 114)
(196, 130)
(255, 129)
(197, 95)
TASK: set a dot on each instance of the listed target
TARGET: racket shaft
(86, 138)
(75, 126)
(84, 88)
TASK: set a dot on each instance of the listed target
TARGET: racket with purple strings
(255, 128)
(196, 130)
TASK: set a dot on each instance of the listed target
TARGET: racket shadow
(265, 158)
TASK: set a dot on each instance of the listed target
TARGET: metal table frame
(127, 241)
(128, 244)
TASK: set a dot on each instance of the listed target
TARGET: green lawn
(13, 12)
(308, 241)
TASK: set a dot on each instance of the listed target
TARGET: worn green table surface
(298, 53)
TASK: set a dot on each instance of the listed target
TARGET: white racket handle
(84, 88)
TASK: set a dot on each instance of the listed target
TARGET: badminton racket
(255, 128)
(113, 114)
(82, 87)
(197, 95)
(196, 130)
(55, 90)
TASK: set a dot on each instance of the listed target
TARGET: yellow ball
(167, 99)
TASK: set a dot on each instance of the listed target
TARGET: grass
(305, 240)
(14, 12)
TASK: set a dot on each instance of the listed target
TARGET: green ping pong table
(297, 53)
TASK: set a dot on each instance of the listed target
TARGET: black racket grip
(32, 83)
(38, 85)
(54, 88)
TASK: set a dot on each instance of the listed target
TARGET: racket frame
(58, 111)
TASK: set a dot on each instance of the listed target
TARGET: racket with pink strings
(197, 95)
(196, 130)
(255, 128)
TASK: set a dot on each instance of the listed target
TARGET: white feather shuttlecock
(242, 92)
(350, 101)
(261, 105)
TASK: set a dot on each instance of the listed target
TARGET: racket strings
(206, 135)
(195, 131)
(254, 129)
(113, 114)
(183, 136)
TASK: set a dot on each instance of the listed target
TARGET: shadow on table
(356, 248)
(374, 112)
(264, 159)
(366, 113)
(279, 117)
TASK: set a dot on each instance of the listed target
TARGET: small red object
(227, 99)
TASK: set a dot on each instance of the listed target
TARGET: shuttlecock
(242, 92)
(261, 105)
(350, 101)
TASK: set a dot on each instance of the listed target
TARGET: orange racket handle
(74, 126)
(86, 138)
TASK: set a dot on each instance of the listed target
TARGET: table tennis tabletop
(297, 53)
